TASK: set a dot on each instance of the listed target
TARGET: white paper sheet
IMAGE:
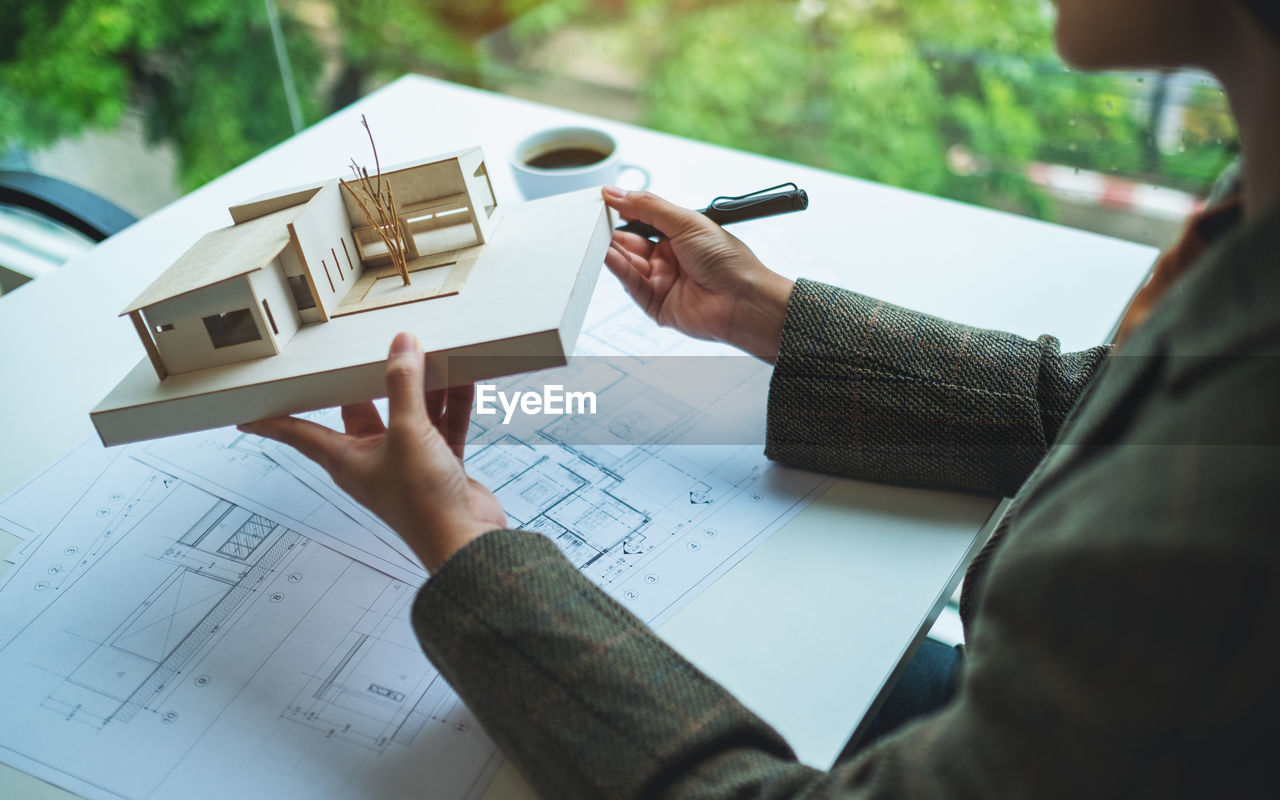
(650, 524)
(186, 619)
(232, 465)
(158, 641)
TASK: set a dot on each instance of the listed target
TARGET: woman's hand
(699, 280)
(408, 472)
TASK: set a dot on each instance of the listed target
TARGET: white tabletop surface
(807, 629)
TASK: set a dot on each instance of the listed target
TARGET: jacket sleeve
(579, 693)
(867, 389)
(588, 703)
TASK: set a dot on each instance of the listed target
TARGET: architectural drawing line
(197, 638)
(74, 575)
(323, 689)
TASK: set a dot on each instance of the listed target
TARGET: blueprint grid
(233, 465)
(209, 616)
(654, 523)
(651, 526)
(159, 641)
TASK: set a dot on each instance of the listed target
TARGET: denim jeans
(927, 684)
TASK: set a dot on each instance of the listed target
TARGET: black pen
(726, 210)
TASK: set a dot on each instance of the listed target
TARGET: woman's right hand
(700, 279)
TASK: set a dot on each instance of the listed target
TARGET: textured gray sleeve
(867, 389)
(588, 703)
(573, 688)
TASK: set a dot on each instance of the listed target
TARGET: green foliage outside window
(200, 70)
(204, 72)
(951, 97)
(896, 91)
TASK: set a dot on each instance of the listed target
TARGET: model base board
(521, 308)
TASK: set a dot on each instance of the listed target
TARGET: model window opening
(232, 328)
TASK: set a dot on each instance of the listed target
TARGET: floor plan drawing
(649, 525)
(186, 604)
(365, 690)
(154, 632)
(655, 495)
(149, 649)
(230, 464)
(666, 486)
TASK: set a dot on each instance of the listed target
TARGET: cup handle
(644, 174)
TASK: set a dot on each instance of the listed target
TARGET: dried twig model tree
(379, 208)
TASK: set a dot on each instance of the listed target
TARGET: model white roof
(221, 255)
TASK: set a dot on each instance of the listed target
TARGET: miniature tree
(379, 208)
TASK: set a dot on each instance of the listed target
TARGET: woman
(1118, 636)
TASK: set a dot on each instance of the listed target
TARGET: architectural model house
(306, 256)
(292, 307)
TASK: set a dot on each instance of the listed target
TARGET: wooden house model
(309, 255)
(292, 307)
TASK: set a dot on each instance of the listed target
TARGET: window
(490, 202)
(164, 327)
(958, 98)
(301, 292)
(232, 328)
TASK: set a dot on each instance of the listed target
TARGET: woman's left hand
(408, 472)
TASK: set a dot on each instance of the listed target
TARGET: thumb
(405, 397)
(647, 207)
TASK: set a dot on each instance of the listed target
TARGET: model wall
(270, 288)
(480, 192)
(291, 265)
(323, 234)
(415, 185)
(187, 346)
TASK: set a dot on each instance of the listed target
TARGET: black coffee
(566, 157)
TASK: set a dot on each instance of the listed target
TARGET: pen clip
(725, 202)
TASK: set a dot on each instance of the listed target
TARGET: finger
(362, 419)
(636, 283)
(316, 442)
(633, 243)
(458, 417)
(623, 264)
(404, 382)
(667, 217)
(639, 260)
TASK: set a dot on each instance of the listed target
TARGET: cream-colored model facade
(305, 256)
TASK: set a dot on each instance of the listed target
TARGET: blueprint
(209, 616)
(652, 524)
(160, 641)
(231, 464)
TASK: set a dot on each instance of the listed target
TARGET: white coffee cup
(561, 160)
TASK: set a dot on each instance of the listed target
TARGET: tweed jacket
(1121, 624)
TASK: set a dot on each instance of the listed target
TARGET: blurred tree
(203, 72)
(1207, 134)
(386, 38)
(951, 97)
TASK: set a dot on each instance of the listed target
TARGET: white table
(808, 629)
